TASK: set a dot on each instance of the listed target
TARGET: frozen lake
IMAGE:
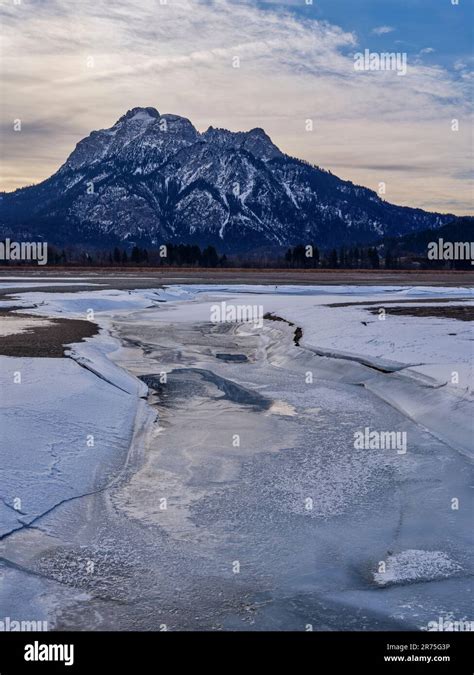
(225, 489)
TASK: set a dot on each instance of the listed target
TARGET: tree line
(301, 256)
(355, 257)
(173, 255)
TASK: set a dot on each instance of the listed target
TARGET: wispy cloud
(69, 68)
(383, 30)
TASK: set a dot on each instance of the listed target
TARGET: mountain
(416, 243)
(458, 229)
(152, 179)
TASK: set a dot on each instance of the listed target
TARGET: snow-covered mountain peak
(139, 114)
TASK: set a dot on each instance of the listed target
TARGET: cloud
(69, 68)
(383, 30)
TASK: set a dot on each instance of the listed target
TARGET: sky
(68, 68)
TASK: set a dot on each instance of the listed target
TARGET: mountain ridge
(151, 179)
